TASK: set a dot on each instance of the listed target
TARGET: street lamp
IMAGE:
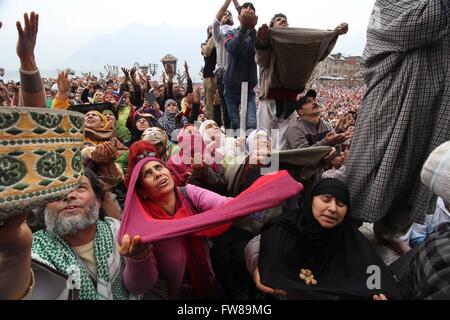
(170, 60)
(153, 69)
(2, 72)
(144, 69)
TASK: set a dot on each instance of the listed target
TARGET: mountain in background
(143, 44)
(148, 44)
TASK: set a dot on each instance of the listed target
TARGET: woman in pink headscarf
(197, 164)
(164, 229)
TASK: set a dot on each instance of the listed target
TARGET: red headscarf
(198, 268)
(138, 151)
(143, 218)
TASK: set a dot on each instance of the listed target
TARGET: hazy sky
(67, 25)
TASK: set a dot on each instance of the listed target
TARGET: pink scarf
(267, 192)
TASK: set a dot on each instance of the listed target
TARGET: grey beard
(71, 225)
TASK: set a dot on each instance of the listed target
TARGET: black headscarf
(136, 134)
(339, 258)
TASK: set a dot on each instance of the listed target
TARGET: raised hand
(63, 85)
(4, 94)
(334, 139)
(27, 41)
(170, 72)
(197, 94)
(186, 70)
(248, 19)
(126, 72)
(104, 153)
(133, 75)
(263, 35)
(15, 88)
(342, 29)
(133, 249)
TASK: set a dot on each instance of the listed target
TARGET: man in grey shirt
(308, 129)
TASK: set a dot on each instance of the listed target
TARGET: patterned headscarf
(99, 134)
(168, 121)
(170, 101)
(156, 135)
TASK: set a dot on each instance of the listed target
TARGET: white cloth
(267, 119)
(219, 38)
(436, 171)
(419, 232)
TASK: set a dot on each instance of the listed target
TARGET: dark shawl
(338, 258)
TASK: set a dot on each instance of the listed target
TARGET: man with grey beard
(80, 245)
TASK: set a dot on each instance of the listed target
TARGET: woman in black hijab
(315, 253)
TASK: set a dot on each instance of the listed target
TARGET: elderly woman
(183, 263)
(97, 98)
(315, 252)
(98, 130)
(111, 117)
(241, 176)
(172, 119)
(215, 139)
(103, 148)
(180, 258)
(142, 122)
(158, 137)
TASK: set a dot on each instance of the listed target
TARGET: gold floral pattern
(41, 156)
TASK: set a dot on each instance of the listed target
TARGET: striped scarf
(53, 251)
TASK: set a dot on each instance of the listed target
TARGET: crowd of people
(176, 203)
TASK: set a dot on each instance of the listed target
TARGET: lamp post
(2, 72)
(144, 69)
(170, 60)
(153, 69)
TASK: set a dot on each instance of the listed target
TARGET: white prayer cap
(436, 171)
